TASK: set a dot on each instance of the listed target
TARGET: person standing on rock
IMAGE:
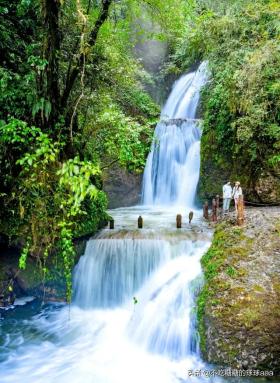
(236, 193)
(227, 195)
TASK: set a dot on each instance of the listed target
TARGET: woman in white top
(236, 193)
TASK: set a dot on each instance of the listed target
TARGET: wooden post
(190, 216)
(112, 224)
(205, 210)
(218, 202)
(140, 222)
(179, 221)
(214, 210)
(240, 211)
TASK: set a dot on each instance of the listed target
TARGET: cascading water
(108, 337)
(132, 318)
(108, 274)
(172, 170)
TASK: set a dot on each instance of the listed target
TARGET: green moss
(230, 349)
(201, 304)
(277, 227)
(231, 271)
(229, 245)
(242, 272)
(258, 289)
(250, 315)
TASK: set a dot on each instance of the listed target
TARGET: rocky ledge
(32, 282)
(239, 305)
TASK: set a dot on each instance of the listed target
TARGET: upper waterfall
(172, 169)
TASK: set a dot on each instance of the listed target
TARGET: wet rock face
(241, 321)
(11, 286)
(122, 187)
(264, 188)
(268, 187)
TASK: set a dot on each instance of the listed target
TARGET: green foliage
(74, 179)
(56, 135)
(67, 252)
(200, 307)
(18, 133)
(93, 215)
(23, 256)
(240, 41)
(45, 152)
(118, 137)
(18, 36)
(49, 196)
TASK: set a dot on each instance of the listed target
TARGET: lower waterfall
(133, 313)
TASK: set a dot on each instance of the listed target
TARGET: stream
(105, 336)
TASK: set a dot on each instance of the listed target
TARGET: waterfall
(132, 318)
(113, 269)
(172, 169)
(165, 320)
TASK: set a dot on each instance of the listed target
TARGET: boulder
(122, 187)
(239, 305)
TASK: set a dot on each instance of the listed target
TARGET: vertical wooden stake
(214, 210)
(218, 203)
(179, 221)
(190, 216)
(112, 224)
(140, 222)
(240, 211)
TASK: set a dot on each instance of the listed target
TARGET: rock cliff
(216, 169)
(239, 305)
(123, 188)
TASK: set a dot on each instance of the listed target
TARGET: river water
(132, 318)
(106, 336)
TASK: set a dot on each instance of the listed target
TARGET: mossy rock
(238, 306)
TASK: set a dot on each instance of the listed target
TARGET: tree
(72, 102)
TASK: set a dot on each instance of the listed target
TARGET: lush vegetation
(73, 102)
(241, 108)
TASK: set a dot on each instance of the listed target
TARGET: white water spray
(113, 269)
(108, 338)
(133, 313)
(172, 170)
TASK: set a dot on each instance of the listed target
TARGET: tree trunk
(51, 13)
(103, 15)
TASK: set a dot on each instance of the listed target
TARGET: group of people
(230, 193)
